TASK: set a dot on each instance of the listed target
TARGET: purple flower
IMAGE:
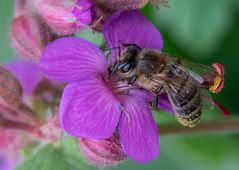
(4, 163)
(94, 106)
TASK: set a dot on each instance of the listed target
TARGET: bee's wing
(198, 72)
(207, 101)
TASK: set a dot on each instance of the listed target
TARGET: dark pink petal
(89, 109)
(138, 131)
(71, 59)
(131, 27)
(27, 73)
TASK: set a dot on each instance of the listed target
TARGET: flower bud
(121, 4)
(65, 17)
(47, 92)
(103, 152)
(10, 91)
(29, 35)
(105, 8)
(20, 7)
(117, 5)
(11, 143)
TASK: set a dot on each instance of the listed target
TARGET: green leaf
(49, 157)
(71, 150)
(94, 37)
(197, 26)
(66, 152)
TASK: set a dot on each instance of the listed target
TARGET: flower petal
(138, 131)
(89, 109)
(164, 103)
(5, 164)
(70, 59)
(27, 73)
(131, 27)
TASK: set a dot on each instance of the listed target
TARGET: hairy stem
(6, 123)
(27, 111)
(226, 125)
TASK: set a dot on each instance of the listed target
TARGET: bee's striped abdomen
(187, 102)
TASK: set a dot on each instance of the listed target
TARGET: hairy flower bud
(10, 90)
(121, 4)
(127, 4)
(48, 92)
(103, 152)
(29, 35)
(11, 143)
(105, 8)
(20, 7)
(65, 17)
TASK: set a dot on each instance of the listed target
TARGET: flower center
(122, 87)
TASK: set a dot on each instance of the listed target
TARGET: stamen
(122, 87)
(218, 82)
(219, 69)
(127, 114)
(223, 109)
(218, 85)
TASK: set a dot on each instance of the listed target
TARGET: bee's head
(126, 62)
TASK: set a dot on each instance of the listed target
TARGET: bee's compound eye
(125, 67)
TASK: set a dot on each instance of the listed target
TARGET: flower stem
(225, 125)
(27, 111)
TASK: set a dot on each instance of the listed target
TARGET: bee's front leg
(132, 79)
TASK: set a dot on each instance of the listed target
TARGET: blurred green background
(206, 31)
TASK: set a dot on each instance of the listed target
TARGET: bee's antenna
(113, 48)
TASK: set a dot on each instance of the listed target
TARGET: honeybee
(181, 80)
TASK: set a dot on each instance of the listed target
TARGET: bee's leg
(155, 102)
(156, 91)
(132, 79)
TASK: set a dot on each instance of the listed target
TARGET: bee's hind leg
(156, 91)
(155, 102)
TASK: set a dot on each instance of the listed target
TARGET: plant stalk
(226, 125)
